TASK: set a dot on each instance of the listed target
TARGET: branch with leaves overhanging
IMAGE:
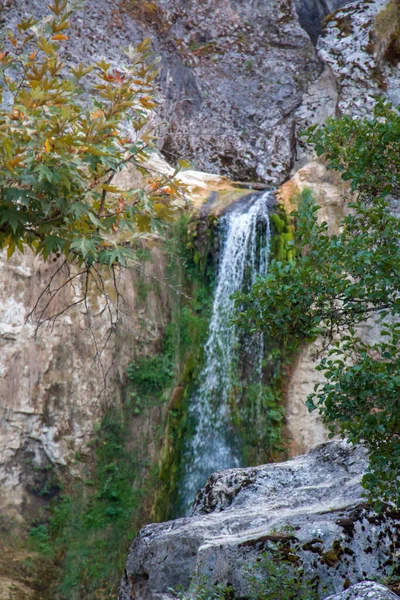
(64, 137)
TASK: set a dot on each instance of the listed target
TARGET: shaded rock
(234, 74)
(313, 12)
(366, 590)
(312, 506)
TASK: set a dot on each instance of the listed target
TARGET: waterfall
(244, 234)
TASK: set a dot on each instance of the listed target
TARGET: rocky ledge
(310, 508)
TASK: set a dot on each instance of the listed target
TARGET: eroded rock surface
(360, 65)
(312, 506)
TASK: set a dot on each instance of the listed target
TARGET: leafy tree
(65, 133)
(337, 282)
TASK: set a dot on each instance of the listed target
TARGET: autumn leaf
(97, 114)
(147, 103)
(59, 37)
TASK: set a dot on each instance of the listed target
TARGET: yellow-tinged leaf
(60, 36)
(162, 211)
(145, 45)
(183, 164)
(110, 188)
(15, 161)
(44, 45)
(147, 103)
(47, 146)
(7, 146)
(97, 114)
(143, 222)
(10, 249)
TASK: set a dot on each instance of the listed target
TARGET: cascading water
(244, 233)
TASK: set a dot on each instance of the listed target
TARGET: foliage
(276, 575)
(337, 282)
(65, 133)
(202, 591)
(87, 537)
(40, 540)
(273, 578)
(154, 373)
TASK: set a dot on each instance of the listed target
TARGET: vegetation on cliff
(337, 282)
(83, 541)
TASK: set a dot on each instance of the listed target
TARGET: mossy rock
(278, 223)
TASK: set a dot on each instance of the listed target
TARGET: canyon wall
(235, 90)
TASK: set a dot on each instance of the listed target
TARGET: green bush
(152, 374)
(273, 578)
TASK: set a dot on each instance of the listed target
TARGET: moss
(332, 557)
(192, 253)
(282, 238)
(278, 223)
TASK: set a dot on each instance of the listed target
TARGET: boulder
(366, 590)
(311, 508)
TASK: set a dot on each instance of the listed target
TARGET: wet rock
(312, 506)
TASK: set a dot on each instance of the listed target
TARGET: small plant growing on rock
(278, 576)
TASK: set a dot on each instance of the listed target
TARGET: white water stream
(244, 234)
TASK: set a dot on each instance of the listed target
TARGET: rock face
(360, 64)
(367, 590)
(310, 507)
(355, 44)
(233, 74)
(51, 388)
(305, 430)
(313, 12)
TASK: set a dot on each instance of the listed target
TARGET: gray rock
(357, 67)
(313, 12)
(366, 590)
(312, 504)
(349, 45)
(233, 74)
